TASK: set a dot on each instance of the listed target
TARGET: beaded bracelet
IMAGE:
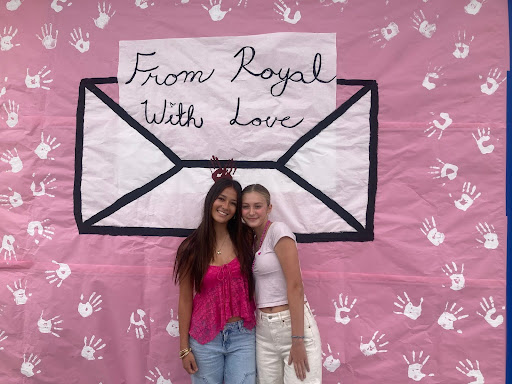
(185, 352)
(298, 337)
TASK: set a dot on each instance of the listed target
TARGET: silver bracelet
(298, 337)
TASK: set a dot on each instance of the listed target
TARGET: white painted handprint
(407, 308)
(448, 317)
(2, 338)
(78, 42)
(12, 113)
(92, 305)
(19, 292)
(415, 367)
(13, 5)
(422, 25)
(60, 274)
(89, 350)
(143, 4)
(284, 11)
(328, 3)
(104, 15)
(45, 147)
(36, 80)
(458, 280)
(216, 14)
(383, 35)
(489, 310)
(6, 37)
(38, 229)
(45, 186)
(173, 328)
(344, 309)
(57, 7)
(139, 325)
(371, 348)
(484, 137)
(13, 159)
(11, 201)
(8, 250)
(447, 170)
(467, 198)
(462, 45)
(433, 235)
(331, 363)
(434, 73)
(492, 82)
(47, 39)
(28, 366)
(471, 371)
(160, 379)
(435, 125)
(474, 6)
(49, 326)
(489, 234)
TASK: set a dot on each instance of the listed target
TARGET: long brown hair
(196, 252)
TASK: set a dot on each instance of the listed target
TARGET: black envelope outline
(361, 234)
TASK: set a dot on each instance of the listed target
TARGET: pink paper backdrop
(467, 105)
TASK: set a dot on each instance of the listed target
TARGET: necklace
(219, 251)
(267, 225)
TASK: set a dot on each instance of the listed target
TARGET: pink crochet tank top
(224, 294)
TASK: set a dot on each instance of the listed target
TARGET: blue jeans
(230, 358)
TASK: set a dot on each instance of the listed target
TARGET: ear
(269, 209)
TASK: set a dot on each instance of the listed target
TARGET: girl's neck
(259, 230)
(221, 230)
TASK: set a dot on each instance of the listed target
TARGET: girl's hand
(189, 363)
(299, 358)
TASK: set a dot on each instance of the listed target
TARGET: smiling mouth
(222, 213)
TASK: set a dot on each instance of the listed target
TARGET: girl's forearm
(296, 303)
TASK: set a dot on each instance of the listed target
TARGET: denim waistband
(281, 315)
(234, 325)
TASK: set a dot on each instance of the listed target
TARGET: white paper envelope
(127, 182)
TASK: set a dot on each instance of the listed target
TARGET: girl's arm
(287, 254)
(184, 317)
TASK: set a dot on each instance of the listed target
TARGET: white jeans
(273, 343)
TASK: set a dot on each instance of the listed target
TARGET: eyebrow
(231, 200)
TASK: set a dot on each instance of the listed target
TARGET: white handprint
(422, 25)
(492, 82)
(12, 113)
(283, 10)
(447, 170)
(332, 2)
(383, 35)
(36, 80)
(2, 338)
(11, 201)
(43, 230)
(345, 308)
(104, 16)
(140, 325)
(91, 306)
(330, 362)
(470, 371)
(240, 3)
(435, 125)
(44, 148)
(44, 186)
(48, 41)
(489, 311)
(462, 45)
(56, 7)
(160, 379)
(448, 317)
(484, 137)
(6, 39)
(458, 280)
(369, 349)
(489, 234)
(13, 160)
(8, 249)
(474, 6)
(61, 273)
(434, 73)
(143, 4)
(13, 5)
(3, 90)
(414, 370)
(27, 367)
(49, 326)
(173, 328)
(467, 198)
(216, 14)
(78, 40)
(19, 292)
(89, 350)
(431, 232)
(408, 309)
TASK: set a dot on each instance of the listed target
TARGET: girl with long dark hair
(216, 308)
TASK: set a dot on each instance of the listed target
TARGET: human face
(224, 206)
(255, 209)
